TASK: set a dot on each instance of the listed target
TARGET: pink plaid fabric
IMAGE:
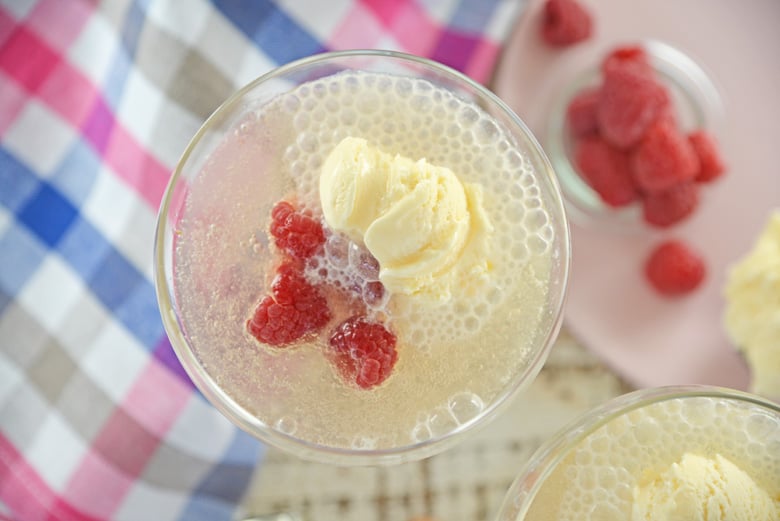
(97, 101)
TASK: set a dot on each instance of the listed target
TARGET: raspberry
(606, 170)
(628, 56)
(674, 269)
(630, 102)
(710, 162)
(565, 22)
(581, 113)
(295, 232)
(666, 208)
(363, 351)
(663, 159)
(296, 309)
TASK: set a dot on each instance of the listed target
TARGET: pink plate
(648, 339)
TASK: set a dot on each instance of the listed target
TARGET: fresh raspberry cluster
(363, 351)
(630, 149)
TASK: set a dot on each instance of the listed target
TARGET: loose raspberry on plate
(296, 232)
(663, 209)
(581, 113)
(673, 268)
(711, 164)
(295, 309)
(606, 170)
(663, 158)
(565, 22)
(364, 351)
(630, 102)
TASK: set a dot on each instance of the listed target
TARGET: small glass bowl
(698, 105)
(702, 408)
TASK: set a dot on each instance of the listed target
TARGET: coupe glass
(290, 398)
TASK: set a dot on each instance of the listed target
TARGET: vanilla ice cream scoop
(418, 220)
(703, 489)
(752, 316)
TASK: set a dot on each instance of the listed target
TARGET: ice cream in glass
(674, 453)
(361, 256)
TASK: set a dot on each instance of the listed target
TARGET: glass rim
(546, 458)
(236, 413)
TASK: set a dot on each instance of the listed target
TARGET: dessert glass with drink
(361, 256)
(683, 452)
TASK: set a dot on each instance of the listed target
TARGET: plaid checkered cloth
(97, 101)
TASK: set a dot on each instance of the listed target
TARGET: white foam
(605, 467)
(465, 140)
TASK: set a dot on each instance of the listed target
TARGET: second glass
(661, 453)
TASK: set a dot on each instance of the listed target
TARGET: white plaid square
(329, 15)
(175, 128)
(191, 434)
(185, 21)
(94, 49)
(110, 208)
(115, 361)
(37, 298)
(137, 243)
(139, 107)
(22, 413)
(10, 377)
(223, 46)
(39, 138)
(252, 65)
(56, 451)
(84, 323)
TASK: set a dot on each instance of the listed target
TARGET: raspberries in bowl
(633, 140)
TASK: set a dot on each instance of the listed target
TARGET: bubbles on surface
(301, 121)
(362, 442)
(244, 129)
(403, 87)
(421, 103)
(298, 133)
(413, 118)
(465, 406)
(600, 474)
(467, 116)
(287, 425)
(421, 432)
(459, 410)
(337, 248)
(307, 142)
